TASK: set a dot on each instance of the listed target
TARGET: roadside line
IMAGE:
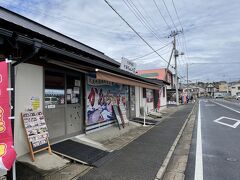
(167, 159)
(226, 107)
(198, 162)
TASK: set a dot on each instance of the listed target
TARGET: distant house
(223, 87)
(211, 89)
(194, 91)
(235, 89)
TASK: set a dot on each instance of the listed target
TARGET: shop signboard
(36, 131)
(7, 152)
(128, 65)
(123, 113)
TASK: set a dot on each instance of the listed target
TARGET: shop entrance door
(132, 108)
(55, 104)
(74, 109)
(63, 105)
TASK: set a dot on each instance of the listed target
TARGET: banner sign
(129, 66)
(7, 153)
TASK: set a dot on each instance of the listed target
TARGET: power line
(150, 52)
(154, 58)
(66, 19)
(177, 14)
(161, 15)
(169, 14)
(132, 7)
(147, 14)
(135, 31)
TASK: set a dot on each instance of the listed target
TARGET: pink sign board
(7, 152)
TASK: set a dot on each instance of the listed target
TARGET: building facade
(235, 89)
(74, 85)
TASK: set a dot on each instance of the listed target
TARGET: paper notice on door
(76, 90)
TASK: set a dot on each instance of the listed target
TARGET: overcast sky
(211, 31)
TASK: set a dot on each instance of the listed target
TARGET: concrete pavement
(142, 158)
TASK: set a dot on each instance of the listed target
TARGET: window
(238, 87)
(163, 91)
(144, 92)
(54, 88)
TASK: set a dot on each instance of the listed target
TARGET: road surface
(215, 149)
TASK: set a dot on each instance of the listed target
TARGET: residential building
(161, 74)
(211, 89)
(223, 87)
(165, 75)
(235, 89)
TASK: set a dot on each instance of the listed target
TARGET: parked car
(238, 97)
(51, 100)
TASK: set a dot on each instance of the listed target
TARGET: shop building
(164, 75)
(73, 84)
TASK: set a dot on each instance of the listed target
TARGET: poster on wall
(149, 95)
(101, 96)
(7, 152)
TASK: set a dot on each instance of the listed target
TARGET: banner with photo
(101, 96)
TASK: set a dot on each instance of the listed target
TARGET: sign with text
(123, 113)
(36, 131)
(7, 153)
(128, 65)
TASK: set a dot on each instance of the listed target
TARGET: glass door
(55, 104)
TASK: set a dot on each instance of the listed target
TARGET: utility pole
(187, 78)
(176, 54)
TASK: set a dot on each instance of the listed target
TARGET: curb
(166, 161)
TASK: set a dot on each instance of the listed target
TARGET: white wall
(28, 83)
(234, 89)
(163, 100)
(137, 101)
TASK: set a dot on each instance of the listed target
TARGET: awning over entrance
(107, 76)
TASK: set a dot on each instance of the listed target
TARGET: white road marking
(226, 124)
(199, 161)
(210, 105)
(226, 107)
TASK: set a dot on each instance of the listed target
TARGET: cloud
(211, 31)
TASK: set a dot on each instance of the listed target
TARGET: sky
(210, 39)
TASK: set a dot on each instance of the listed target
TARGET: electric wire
(131, 6)
(175, 9)
(169, 14)
(162, 15)
(147, 54)
(135, 31)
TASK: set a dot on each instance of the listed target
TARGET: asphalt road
(215, 149)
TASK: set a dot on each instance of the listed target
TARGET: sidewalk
(142, 158)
